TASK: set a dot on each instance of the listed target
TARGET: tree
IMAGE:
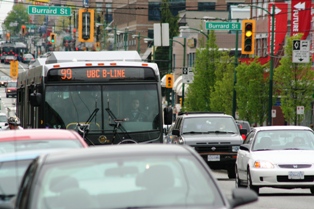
(252, 92)
(206, 63)
(294, 83)
(221, 96)
(17, 15)
(162, 53)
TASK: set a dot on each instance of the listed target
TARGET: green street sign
(223, 26)
(50, 11)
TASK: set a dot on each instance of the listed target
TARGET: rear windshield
(12, 84)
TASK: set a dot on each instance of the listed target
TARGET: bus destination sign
(100, 74)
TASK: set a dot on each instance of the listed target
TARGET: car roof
(203, 114)
(26, 155)
(39, 134)
(270, 128)
(125, 150)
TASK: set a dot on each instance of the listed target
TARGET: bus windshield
(133, 106)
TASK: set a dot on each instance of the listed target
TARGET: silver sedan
(276, 156)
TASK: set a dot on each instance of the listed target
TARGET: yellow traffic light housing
(169, 81)
(86, 21)
(248, 37)
(52, 38)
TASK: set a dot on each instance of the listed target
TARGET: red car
(11, 88)
(35, 139)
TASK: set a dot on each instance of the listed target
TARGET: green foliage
(252, 92)
(222, 94)
(19, 15)
(294, 83)
(206, 63)
(162, 53)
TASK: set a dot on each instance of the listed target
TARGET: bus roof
(70, 56)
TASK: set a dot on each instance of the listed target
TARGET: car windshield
(11, 173)
(3, 118)
(209, 124)
(12, 84)
(284, 140)
(24, 145)
(126, 182)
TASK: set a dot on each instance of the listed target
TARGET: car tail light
(243, 136)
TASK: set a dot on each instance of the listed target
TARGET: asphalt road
(270, 198)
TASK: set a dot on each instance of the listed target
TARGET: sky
(5, 8)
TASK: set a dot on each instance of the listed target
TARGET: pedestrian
(174, 112)
(14, 123)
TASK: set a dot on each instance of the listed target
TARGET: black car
(215, 136)
(124, 176)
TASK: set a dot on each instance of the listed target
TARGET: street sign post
(223, 26)
(50, 11)
(187, 75)
(301, 51)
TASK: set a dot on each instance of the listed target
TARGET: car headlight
(235, 148)
(263, 164)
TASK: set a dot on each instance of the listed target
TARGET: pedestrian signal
(52, 38)
(248, 37)
(169, 81)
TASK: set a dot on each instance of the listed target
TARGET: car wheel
(249, 183)
(231, 172)
(312, 190)
(7, 96)
(238, 182)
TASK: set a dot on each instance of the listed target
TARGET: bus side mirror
(35, 99)
(167, 115)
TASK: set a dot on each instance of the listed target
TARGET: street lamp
(195, 29)
(271, 68)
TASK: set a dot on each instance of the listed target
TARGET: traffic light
(23, 28)
(169, 81)
(248, 37)
(52, 38)
(86, 25)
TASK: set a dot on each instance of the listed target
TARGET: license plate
(296, 175)
(213, 158)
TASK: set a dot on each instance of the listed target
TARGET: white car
(276, 156)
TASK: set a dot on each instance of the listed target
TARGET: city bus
(91, 92)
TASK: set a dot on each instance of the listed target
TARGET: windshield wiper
(6, 196)
(220, 132)
(263, 149)
(192, 132)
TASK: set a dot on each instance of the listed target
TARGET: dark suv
(215, 136)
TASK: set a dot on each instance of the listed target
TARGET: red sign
(300, 17)
(280, 26)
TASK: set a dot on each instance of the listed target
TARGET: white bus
(96, 88)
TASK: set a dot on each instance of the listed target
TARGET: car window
(28, 56)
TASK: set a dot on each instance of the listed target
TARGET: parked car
(13, 167)
(276, 156)
(34, 139)
(125, 176)
(215, 136)
(11, 89)
(3, 121)
(9, 58)
(27, 58)
(4, 80)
